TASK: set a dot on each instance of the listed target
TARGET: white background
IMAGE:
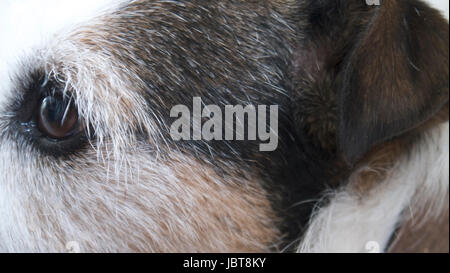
(440, 4)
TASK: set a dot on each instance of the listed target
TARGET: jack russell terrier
(94, 153)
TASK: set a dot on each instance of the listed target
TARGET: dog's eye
(58, 118)
(47, 119)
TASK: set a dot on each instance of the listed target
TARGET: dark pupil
(57, 118)
(53, 109)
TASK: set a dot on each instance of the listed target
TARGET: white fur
(117, 196)
(86, 203)
(354, 223)
(28, 24)
(420, 181)
(149, 206)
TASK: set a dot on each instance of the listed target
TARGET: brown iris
(58, 118)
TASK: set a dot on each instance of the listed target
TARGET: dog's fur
(363, 125)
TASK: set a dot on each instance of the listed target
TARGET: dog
(88, 161)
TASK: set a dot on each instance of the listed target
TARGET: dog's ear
(384, 67)
(367, 74)
(396, 77)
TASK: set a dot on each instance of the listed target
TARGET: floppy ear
(395, 78)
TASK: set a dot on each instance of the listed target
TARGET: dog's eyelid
(61, 132)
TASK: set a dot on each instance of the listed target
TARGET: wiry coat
(363, 127)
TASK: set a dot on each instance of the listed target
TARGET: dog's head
(87, 151)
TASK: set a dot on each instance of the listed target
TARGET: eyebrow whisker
(66, 112)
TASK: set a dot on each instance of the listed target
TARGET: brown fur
(429, 237)
(356, 86)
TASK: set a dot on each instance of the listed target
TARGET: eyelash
(25, 124)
